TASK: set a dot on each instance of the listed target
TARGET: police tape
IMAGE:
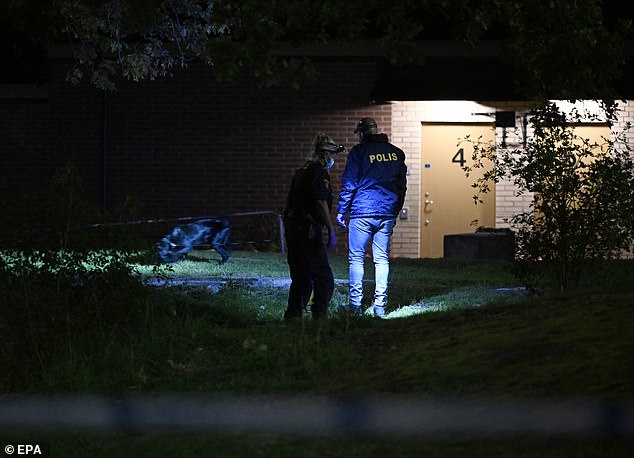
(317, 416)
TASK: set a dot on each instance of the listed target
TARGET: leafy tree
(561, 49)
(583, 191)
(147, 39)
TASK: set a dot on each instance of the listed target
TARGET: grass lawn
(452, 333)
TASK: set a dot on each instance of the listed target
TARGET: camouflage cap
(324, 142)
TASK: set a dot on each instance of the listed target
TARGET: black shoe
(292, 315)
(319, 312)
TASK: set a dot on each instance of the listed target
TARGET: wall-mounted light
(505, 119)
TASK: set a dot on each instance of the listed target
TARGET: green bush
(583, 204)
(60, 305)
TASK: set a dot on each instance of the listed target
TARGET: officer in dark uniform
(307, 212)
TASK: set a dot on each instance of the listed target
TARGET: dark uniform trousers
(309, 268)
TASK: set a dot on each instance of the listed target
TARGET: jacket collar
(376, 138)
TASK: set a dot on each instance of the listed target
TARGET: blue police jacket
(374, 181)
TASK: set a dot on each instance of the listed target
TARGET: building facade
(188, 145)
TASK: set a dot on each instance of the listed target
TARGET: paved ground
(216, 284)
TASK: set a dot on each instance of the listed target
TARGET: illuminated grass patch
(460, 298)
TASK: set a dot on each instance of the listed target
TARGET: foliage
(45, 220)
(59, 304)
(561, 49)
(62, 218)
(68, 325)
(583, 197)
(148, 39)
(194, 343)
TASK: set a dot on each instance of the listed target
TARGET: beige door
(447, 196)
(595, 134)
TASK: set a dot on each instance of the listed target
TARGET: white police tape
(316, 416)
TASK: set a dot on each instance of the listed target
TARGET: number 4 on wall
(458, 158)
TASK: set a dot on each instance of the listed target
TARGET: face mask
(330, 163)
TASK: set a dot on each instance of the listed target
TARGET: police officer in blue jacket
(373, 192)
(307, 212)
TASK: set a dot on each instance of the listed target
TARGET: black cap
(365, 124)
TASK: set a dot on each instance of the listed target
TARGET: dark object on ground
(184, 238)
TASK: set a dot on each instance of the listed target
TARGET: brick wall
(626, 117)
(38, 135)
(187, 145)
(406, 125)
(193, 146)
